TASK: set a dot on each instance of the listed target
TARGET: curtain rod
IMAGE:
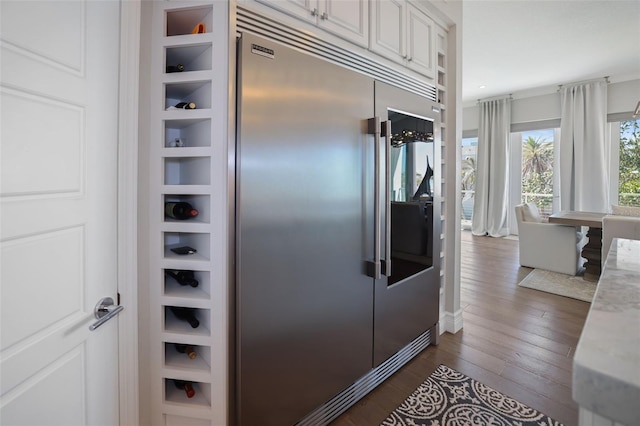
(605, 78)
(497, 98)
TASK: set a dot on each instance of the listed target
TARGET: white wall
(622, 98)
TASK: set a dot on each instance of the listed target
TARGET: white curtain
(490, 208)
(584, 148)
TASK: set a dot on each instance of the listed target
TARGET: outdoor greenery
(468, 174)
(629, 185)
(537, 170)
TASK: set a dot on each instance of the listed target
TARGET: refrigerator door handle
(374, 268)
(386, 263)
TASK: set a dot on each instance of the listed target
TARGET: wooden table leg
(592, 251)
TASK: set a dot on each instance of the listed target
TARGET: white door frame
(127, 210)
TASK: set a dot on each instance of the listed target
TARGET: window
(629, 164)
(468, 179)
(531, 176)
(537, 169)
(531, 173)
(533, 153)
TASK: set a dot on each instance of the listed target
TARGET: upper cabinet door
(388, 29)
(348, 19)
(420, 42)
(403, 33)
(345, 18)
(307, 10)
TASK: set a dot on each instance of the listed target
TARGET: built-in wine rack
(188, 163)
(441, 88)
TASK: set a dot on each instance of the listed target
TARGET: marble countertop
(606, 365)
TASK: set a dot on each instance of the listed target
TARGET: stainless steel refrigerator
(337, 229)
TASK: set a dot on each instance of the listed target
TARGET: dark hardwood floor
(517, 340)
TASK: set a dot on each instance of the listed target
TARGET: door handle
(105, 310)
(386, 263)
(373, 268)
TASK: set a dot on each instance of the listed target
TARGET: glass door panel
(411, 193)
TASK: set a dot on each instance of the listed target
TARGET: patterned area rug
(560, 284)
(449, 398)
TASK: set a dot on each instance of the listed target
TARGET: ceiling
(512, 46)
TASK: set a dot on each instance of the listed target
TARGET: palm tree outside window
(537, 171)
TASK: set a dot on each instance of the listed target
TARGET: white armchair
(548, 246)
(616, 226)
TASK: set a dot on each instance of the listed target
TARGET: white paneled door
(58, 192)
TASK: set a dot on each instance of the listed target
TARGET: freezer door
(407, 295)
(303, 187)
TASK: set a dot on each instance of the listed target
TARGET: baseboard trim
(451, 322)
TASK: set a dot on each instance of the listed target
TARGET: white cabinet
(403, 33)
(345, 18)
(420, 41)
(388, 28)
(307, 10)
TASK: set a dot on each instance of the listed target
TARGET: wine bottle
(175, 68)
(179, 210)
(183, 277)
(186, 349)
(200, 28)
(186, 314)
(187, 387)
(186, 105)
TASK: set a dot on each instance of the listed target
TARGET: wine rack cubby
(202, 396)
(188, 163)
(175, 360)
(183, 20)
(173, 289)
(198, 92)
(187, 133)
(173, 324)
(199, 202)
(200, 241)
(193, 58)
(187, 170)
